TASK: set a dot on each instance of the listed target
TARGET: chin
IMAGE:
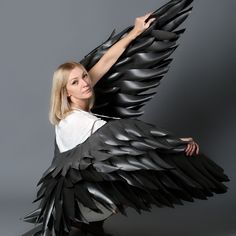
(89, 94)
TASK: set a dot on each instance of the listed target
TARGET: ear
(67, 94)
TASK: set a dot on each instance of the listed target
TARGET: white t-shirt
(76, 128)
(73, 130)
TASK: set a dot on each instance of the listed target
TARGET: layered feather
(130, 83)
(125, 163)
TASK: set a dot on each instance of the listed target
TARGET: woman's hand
(192, 146)
(141, 24)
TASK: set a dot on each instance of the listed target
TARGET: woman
(72, 97)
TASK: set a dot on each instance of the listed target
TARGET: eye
(85, 75)
(75, 82)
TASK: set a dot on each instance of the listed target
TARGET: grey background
(196, 98)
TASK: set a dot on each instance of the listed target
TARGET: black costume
(127, 162)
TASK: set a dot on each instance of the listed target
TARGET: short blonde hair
(60, 105)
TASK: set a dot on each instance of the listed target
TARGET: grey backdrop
(196, 98)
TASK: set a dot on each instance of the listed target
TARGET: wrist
(134, 33)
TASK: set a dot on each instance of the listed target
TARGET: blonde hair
(60, 105)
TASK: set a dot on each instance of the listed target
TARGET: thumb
(150, 21)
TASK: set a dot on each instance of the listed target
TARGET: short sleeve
(97, 124)
(75, 129)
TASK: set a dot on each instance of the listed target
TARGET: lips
(87, 90)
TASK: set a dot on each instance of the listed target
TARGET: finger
(188, 147)
(189, 139)
(190, 150)
(186, 150)
(186, 139)
(196, 148)
(149, 22)
(148, 14)
(188, 153)
(193, 149)
(197, 151)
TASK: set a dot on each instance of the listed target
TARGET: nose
(86, 82)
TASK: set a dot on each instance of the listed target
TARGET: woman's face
(79, 85)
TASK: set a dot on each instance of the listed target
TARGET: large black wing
(125, 88)
(125, 163)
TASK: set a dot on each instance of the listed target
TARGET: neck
(81, 107)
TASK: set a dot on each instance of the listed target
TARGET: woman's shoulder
(75, 114)
(78, 117)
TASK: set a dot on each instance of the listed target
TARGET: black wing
(126, 162)
(121, 91)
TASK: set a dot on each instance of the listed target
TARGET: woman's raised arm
(114, 52)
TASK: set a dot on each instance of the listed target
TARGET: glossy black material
(127, 162)
(125, 88)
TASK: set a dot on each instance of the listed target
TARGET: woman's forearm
(114, 52)
(119, 47)
(111, 56)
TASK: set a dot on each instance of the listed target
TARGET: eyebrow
(78, 77)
